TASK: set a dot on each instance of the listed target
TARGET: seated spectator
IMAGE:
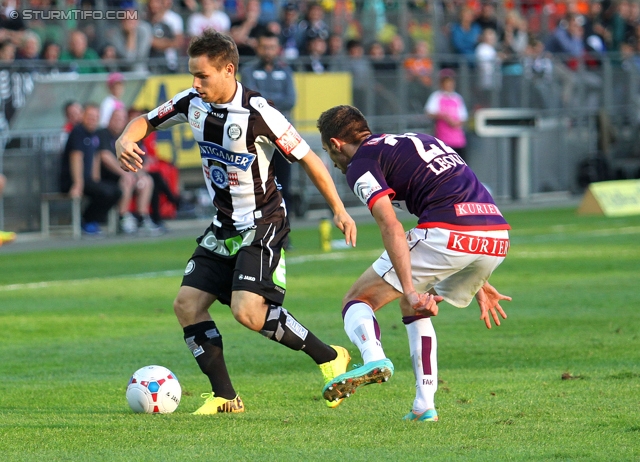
(81, 58)
(447, 109)
(317, 48)
(567, 39)
(291, 34)
(165, 200)
(245, 30)
(113, 101)
(211, 16)
(80, 172)
(336, 52)
(465, 35)
(164, 43)
(5, 236)
(132, 38)
(138, 184)
(362, 74)
(596, 35)
(7, 52)
(73, 112)
(418, 71)
(109, 57)
(396, 51)
(51, 56)
(314, 25)
(487, 18)
(28, 52)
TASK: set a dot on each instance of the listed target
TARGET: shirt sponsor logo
(478, 245)
(209, 150)
(464, 209)
(289, 140)
(218, 176)
(219, 115)
(234, 131)
(165, 109)
(365, 186)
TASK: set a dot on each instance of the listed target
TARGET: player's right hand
(129, 154)
(347, 225)
(424, 304)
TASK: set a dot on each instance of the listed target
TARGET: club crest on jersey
(218, 176)
(234, 131)
(365, 186)
(209, 150)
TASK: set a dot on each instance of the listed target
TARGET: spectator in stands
(165, 43)
(29, 51)
(512, 46)
(597, 37)
(113, 101)
(138, 184)
(316, 54)
(568, 39)
(538, 72)
(396, 50)
(11, 24)
(80, 172)
(384, 70)
(273, 78)
(487, 18)
(291, 34)
(211, 15)
(109, 57)
(176, 23)
(418, 71)
(165, 201)
(73, 112)
(362, 74)
(5, 236)
(245, 30)
(447, 109)
(465, 35)
(132, 37)
(314, 25)
(81, 58)
(51, 56)
(7, 52)
(488, 61)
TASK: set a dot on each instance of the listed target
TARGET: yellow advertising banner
(612, 198)
(315, 93)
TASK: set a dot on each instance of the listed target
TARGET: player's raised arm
(128, 152)
(322, 180)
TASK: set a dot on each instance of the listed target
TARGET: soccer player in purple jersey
(460, 239)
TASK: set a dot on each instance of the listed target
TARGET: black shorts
(226, 261)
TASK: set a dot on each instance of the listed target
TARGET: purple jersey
(425, 177)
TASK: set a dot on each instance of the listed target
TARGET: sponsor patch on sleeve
(365, 186)
(289, 140)
(166, 108)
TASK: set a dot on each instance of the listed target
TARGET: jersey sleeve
(280, 131)
(366, 180)
(173, 112)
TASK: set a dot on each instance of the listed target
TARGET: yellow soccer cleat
(215, 405)
(334, 368)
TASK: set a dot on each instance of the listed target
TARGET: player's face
(214, 85)
(340, 161)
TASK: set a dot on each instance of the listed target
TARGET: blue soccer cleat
(345, 385)
(430, 415)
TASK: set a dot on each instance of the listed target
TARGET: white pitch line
(333, 256)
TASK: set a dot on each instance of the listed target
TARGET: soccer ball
(154, 390)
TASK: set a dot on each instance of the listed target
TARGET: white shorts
(455, 263)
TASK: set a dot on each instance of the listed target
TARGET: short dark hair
(343, 122)
(267, 33)
(218, 47)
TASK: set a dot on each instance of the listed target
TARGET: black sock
(205, 342)
(280, 326)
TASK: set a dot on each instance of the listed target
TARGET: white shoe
(128, 223)
(150, 228)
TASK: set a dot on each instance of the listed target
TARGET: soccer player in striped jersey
(239, 259)
(460, 239)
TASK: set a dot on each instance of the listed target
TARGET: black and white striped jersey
(237, 143)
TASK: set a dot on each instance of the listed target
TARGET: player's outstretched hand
(489, 301)
(129, 154)
(424, 304)
(345, 223)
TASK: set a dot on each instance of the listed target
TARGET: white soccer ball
(154, 390)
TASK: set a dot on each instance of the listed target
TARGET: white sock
(361, 326)
(423, 347)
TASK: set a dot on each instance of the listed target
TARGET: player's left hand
(345, 223)
(424, 304)
(489, 301)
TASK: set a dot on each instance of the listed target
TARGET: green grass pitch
(559, 380)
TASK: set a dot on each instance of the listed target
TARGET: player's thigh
(460, 288)
(372, 289)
